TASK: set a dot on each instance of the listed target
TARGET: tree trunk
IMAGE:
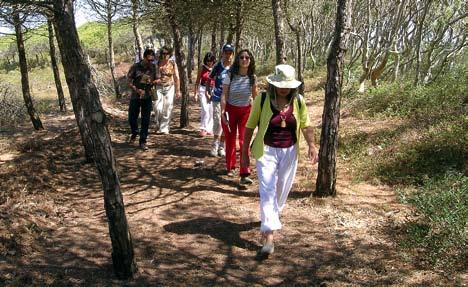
(279, 32)
(199, 46)
(300, 76)
(191, 52)
(222, 31)
(33, 115)
(111, 49)
(418, 43)
(84, 130)
(213, 39)
(326, 178)
(181, 63)
(55, 69)
(136, 29)
(85, 98)
(230, 35)
(239, 24)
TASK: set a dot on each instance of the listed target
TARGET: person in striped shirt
(239, 88)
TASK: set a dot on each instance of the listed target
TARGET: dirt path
(191, 226)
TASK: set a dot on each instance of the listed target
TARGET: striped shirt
(240, 90)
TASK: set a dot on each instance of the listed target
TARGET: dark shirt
(142, 78)
(281, 137)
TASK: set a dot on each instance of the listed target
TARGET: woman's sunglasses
(244, 57)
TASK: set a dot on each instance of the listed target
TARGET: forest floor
(191, 225)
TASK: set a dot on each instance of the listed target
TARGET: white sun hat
(284, 77)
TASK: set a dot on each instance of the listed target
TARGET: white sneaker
(221, 151)
(214, 150)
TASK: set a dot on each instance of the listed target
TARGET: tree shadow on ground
(225, 231)
(57, 219)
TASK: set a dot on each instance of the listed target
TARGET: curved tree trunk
(86, 102)
(55, 69)
(33, 115)
(279, 32)
(326, 178)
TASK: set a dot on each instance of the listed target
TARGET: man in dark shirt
(141, 78)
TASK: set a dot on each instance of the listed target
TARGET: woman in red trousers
(239, 88)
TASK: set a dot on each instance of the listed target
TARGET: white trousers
(276, 171)
(217, 130)
(163, 107)
(206, 113)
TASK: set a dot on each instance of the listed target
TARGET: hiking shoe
(214, 151)
(268, 249)
(221, 151)
(143, 146)
(131, 138)
(231, 173)
(245, 180)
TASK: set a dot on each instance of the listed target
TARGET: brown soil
(191, 226)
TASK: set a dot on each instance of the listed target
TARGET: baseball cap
(228, 47)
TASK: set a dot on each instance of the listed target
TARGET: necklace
(283, 120)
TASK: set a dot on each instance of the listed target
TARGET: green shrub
(438, 148)
(442, 231)
(430, 103)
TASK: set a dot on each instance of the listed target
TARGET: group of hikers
(231, 109)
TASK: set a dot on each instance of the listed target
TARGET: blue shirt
(218, 73)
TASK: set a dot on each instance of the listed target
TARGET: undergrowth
(442, 230)
(415, 138)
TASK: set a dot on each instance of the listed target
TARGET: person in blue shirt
(218, 73)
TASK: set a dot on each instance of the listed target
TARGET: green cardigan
(264, 116)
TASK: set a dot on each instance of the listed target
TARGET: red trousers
(238, 117)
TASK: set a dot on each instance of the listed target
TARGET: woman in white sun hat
(280, 114)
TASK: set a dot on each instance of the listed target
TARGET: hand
(195, 97)
(313, 154)
(140, 92)
(223, 118)
(178, 95)
(245, 159)
(208, 98)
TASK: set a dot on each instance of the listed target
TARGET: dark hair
(251, 70)
(164, 48)
(148, 52)
(272, 91)
(209, 57)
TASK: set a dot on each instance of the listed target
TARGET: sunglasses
(244, 57)
(165, 53)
